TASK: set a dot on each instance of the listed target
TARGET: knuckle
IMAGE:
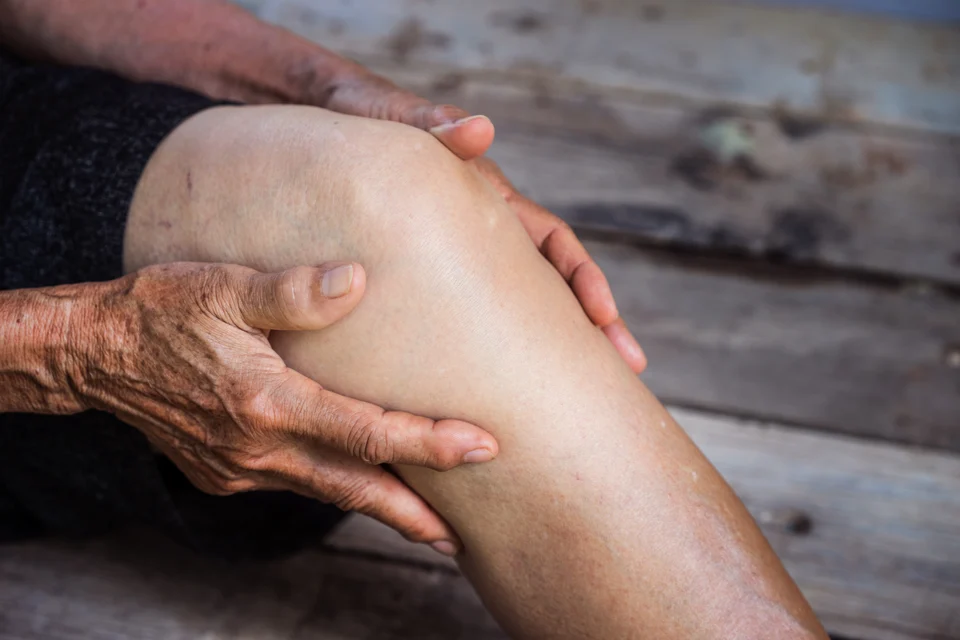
(369, 441)
(442, 460)
(354, 495)
(258, 410)
(220, 485)
(238, 485)
(564, 231)
(292, 294)
(251, 463)
(216, 290)
(416, 531)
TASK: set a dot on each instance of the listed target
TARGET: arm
(217, 48)
(210, 46)
(33, 367)
(180, 352)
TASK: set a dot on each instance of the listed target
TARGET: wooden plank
(869, 359)
(662, 148)
(870, 531)
(144, 588)
(883, 70)
(940, 10)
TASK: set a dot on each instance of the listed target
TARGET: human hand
(181, 352)
(206, 47)
(358, 91)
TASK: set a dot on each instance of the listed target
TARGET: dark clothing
(73, 143)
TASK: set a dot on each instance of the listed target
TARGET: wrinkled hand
(357, 91)
(180, 351)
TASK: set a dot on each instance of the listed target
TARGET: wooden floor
(774, 194)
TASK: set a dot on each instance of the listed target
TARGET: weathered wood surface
(141, 588)
(875, 69)
(870, 531)
(874, 359)
(698, 124)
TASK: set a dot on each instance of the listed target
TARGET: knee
(275, 187)
(412, 202)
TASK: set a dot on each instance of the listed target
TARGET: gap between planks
(880, 559)
(602, 107)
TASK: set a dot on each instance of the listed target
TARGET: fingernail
(444, 547)
(337, 281)
(478, 455)
(447, 126)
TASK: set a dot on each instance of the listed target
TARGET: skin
(216, 48)
(599, 518)
(181, 353)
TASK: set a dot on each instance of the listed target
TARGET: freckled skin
(599, 518)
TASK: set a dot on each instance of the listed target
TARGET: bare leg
(600, 519)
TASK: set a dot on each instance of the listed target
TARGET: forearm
(210, 46)
(35, 348)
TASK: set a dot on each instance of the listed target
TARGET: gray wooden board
(867, 359)
(141, 588)
(822, 61)
(609, 112)
(880, 559)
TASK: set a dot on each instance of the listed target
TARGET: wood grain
(870, 531)
(641, 117)
(140, 587)
(874, 360)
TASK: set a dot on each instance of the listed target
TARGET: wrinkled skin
(185, 358)
(219, 49)
(181, 352)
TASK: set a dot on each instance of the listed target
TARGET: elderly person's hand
(350, 88)
(219, 49)
(181, 352)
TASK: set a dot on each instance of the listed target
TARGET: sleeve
(73, 143)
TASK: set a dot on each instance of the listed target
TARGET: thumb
(469, 137)
(371, 96)
(300, 298)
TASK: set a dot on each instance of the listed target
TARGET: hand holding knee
(180, 351)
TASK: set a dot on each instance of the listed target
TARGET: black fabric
(73, 143)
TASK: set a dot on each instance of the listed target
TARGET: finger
(368, 433)
(591, 287)
(465, 135)
(354, 486)
(300, 298)
(626, 345)
(469, 137)
(371, 96)
(561, 247)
